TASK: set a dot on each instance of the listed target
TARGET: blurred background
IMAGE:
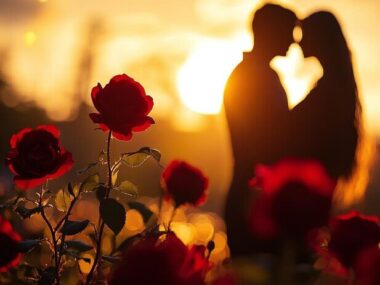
(52, 52)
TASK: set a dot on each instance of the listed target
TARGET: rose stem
(52, 236)
(62, 221)
(172, 216)
(99, 241)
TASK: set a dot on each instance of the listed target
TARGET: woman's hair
(325, 40)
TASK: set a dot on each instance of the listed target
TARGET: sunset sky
(171, 47)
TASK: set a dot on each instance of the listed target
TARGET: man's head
(273, 27)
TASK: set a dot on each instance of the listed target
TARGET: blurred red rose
(227, 279)
(167, 262)
(123, 107)
(350, 234)
(184, 183)
(367, 268)
(36, 155)
(295, 198)
(9, 257)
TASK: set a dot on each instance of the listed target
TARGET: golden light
(202, 78)
(298, 74)
(220, 240)
(107, 244)
(85, 266)
(184, 231)
(134, 221)
(30, 38)
(204, 227)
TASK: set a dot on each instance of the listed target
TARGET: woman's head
(323, 38)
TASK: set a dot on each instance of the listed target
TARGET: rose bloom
(9, 257)
(123, 107)
(367, 267)
(350, 234)
(167, 262)
(36, 155)
(295, 198)
(227, 279)
(184, 183)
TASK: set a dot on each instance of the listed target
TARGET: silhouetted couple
(324, 126)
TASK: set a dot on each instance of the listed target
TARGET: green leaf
(73, 227)
(128, 188)
(28, 245)
(62, 201)
(27, 213)
(78, 245)
(76, 189)
(90, 183)
(137, 158)
(113, 214)
(143, 210)
(115, 174)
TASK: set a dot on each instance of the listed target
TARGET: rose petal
(146, 123)
(16, 137)
(149, 101)
(25, 184)
(50, 129)
(66, 164)
(94, 96)
(96, 118)
(122, 136)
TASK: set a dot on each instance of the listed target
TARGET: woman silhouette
(326, 123)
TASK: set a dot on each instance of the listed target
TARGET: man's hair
(271, 18)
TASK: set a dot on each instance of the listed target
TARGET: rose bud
(350, 234)
(166, 262)
(295, 199)
(123, 107)
(9, 256)
(184, 183)
(36, 155)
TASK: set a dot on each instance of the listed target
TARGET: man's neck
(262, 55)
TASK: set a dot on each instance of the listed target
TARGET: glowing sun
(202, 77)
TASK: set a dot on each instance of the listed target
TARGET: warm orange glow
(184, 231)
(84, 266)
(134, 221)
(298, 74)
(30, 38)
(204, 227)
(202, 78)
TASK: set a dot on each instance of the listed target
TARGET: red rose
(36, 155)
(123, 107)
(367, 268)
(350, 234)
(167, 262)
(295, 199)
(9, 257)
(227, 279)
(184, 183)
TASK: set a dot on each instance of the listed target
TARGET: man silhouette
(257, 113)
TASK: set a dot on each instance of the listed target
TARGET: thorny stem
(59, 224)
(54, 240)
(99, 239)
